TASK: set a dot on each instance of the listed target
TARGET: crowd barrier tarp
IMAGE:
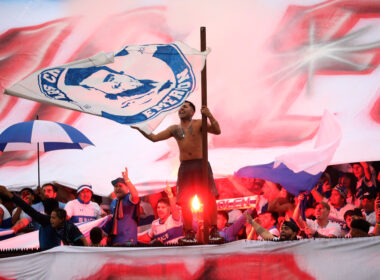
(304, 259)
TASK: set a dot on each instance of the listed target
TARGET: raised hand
(168, 190)
(249, 217)
(206, 111)
(125, 175)
(4, 191)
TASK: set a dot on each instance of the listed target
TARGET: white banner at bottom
(303, 259)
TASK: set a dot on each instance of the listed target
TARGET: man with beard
(188, 135)
(122, 229)
(289, 230)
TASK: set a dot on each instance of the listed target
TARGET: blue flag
(300, 171)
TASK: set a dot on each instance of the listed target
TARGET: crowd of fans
(344, 203)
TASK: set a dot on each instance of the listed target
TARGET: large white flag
(138, 85)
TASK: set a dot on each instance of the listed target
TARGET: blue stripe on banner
(21, 132)
(82, 219)
(52, 146)
(75, 135)
(170, 234)
(292, 182)
(6, 233)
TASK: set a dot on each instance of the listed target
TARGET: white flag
(138, 85)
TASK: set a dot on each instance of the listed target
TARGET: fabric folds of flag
(299, 171)
(137, 85)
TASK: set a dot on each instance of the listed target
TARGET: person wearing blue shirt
(122, 229)
(54, 227)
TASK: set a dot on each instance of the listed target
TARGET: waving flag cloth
(299, 171)
(138, 85)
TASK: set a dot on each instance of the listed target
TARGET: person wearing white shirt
(321, 227)
(83, 209)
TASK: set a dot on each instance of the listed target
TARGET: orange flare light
(195, 204)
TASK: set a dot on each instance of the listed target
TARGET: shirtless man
(188, 135)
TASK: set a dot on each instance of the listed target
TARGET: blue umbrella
(43, 136)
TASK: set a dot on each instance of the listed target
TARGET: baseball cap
(341, 190)
(369, 195)
(82, 187)
(292, 224)
(117, 180)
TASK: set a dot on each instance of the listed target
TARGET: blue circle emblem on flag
(141, 84)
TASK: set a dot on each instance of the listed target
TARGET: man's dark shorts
(189, 181)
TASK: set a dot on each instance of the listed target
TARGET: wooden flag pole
(204, 140)
(38, 161)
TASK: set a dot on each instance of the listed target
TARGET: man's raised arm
(263, 232)
(163, 135)
(214, 126)
(132, 189)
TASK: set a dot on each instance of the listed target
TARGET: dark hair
(164, 200)
(27, 189)
(361, 225)
(351, 177)
(292, 225)
(61, 213)
(324, 205)
(357, 212)
(55, 189)
(224, 214)
(50, 204)
(191, 105)
(96, 235)
(348, 213)
(274, 215)
(353, 212)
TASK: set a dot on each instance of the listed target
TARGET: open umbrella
(43, 136)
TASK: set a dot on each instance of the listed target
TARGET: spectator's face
(368, 204)
(163, 210)
(287, 233)
(27, 196)
(349, 219)
(345, 181)
(85, 195)
(49, 192)
(270, 191)
(220, 221)
(336, 199)
(121, 190)
(358, 171)
(266, 220)
(55, 221)
(321, 212)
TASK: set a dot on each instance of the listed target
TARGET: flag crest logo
(164, 84)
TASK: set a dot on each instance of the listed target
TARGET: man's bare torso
(189, 140)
